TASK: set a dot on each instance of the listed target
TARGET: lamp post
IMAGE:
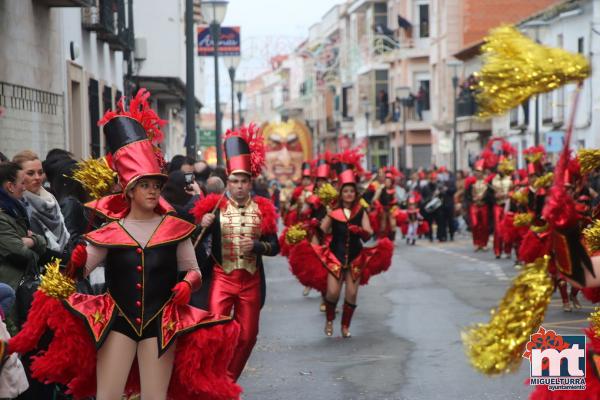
(214, 13)
(454, 64)
(402, 95)
(232, 62)
(190, 98)
(240, 86)
(366, 105)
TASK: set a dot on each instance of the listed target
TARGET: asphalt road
(406, 332)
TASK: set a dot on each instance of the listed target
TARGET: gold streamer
(96, 176)
(327, 194)
(516, 68)
(592, 236)
(522, 219)
(54, 283)
(544, 181)
(295, 234)
(497, 347)
(595, 321)
(589, 160)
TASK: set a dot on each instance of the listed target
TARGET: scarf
(13, 207)
(45, 213)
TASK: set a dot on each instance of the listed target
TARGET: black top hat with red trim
(244, 151)
(306, 170)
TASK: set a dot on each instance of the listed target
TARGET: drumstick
(204, 229)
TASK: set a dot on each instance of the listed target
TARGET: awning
(164, 88)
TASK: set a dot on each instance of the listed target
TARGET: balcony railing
(68, 3)
(107, 19)
(466, 106)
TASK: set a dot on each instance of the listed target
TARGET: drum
(433, 204)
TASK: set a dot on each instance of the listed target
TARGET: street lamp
(536, 24)
(366, 105)
(214, 13)
(403, 95)
(240, 86)
(454, 64)
(232, 62)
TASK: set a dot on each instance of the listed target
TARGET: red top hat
(323, 169)
(345, 174)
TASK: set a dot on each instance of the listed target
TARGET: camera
(189, 179)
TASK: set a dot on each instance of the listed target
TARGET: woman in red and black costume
(344, 257)
(144, 316)
(387, 204)
(242, 229)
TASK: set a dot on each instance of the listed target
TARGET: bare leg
(113, 365)
(155, 372)
(351, 289)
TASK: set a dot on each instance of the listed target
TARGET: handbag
(24, 295)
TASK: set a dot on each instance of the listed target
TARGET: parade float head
(133, 135)
(288, 144)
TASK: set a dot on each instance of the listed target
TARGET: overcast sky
(268, 28)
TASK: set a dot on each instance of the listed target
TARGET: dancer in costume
(144, 316)
(502, 184)
(414, 217)
(478, 191)
(241, 229)
(387, 204)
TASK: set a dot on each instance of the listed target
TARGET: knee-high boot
(347, 318)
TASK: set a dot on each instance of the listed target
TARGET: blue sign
(230, 41)
(554, 141)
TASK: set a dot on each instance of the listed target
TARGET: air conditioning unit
(141, 49)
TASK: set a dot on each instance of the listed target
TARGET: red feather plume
(252, 135)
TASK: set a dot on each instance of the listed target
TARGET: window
(380, 14)
(347, 103)
(560, 105)
(94, 110)
(514, 117)
(381, 94)
(423, 95)
(580, 45)
(546, 108)
(423, 20)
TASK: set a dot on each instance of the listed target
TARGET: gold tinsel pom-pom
(520, 197)
(295, 234)
(364, 203)
(497, 347)
(516, 68)
(96, 176)
(506, 166)
(592, 236)
(595, 321)
(522, 219)
(54, 283)
(327, 194)
(589, 160)
(544, 181)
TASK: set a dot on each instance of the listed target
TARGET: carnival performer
(144, 314)
(501, 185)
(241, 229)
(300, 193)
(387, 204)
(414, 218)
(478, 191)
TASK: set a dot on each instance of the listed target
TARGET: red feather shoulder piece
(269, 215)
(470, 181)
(206, 205)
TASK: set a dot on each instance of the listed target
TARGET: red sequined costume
(238, 280)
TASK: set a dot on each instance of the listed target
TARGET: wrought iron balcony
(107, 19)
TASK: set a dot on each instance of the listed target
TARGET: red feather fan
(377, 259)
(252, 135)
(307, 267)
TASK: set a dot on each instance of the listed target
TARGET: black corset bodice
(346, 246)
